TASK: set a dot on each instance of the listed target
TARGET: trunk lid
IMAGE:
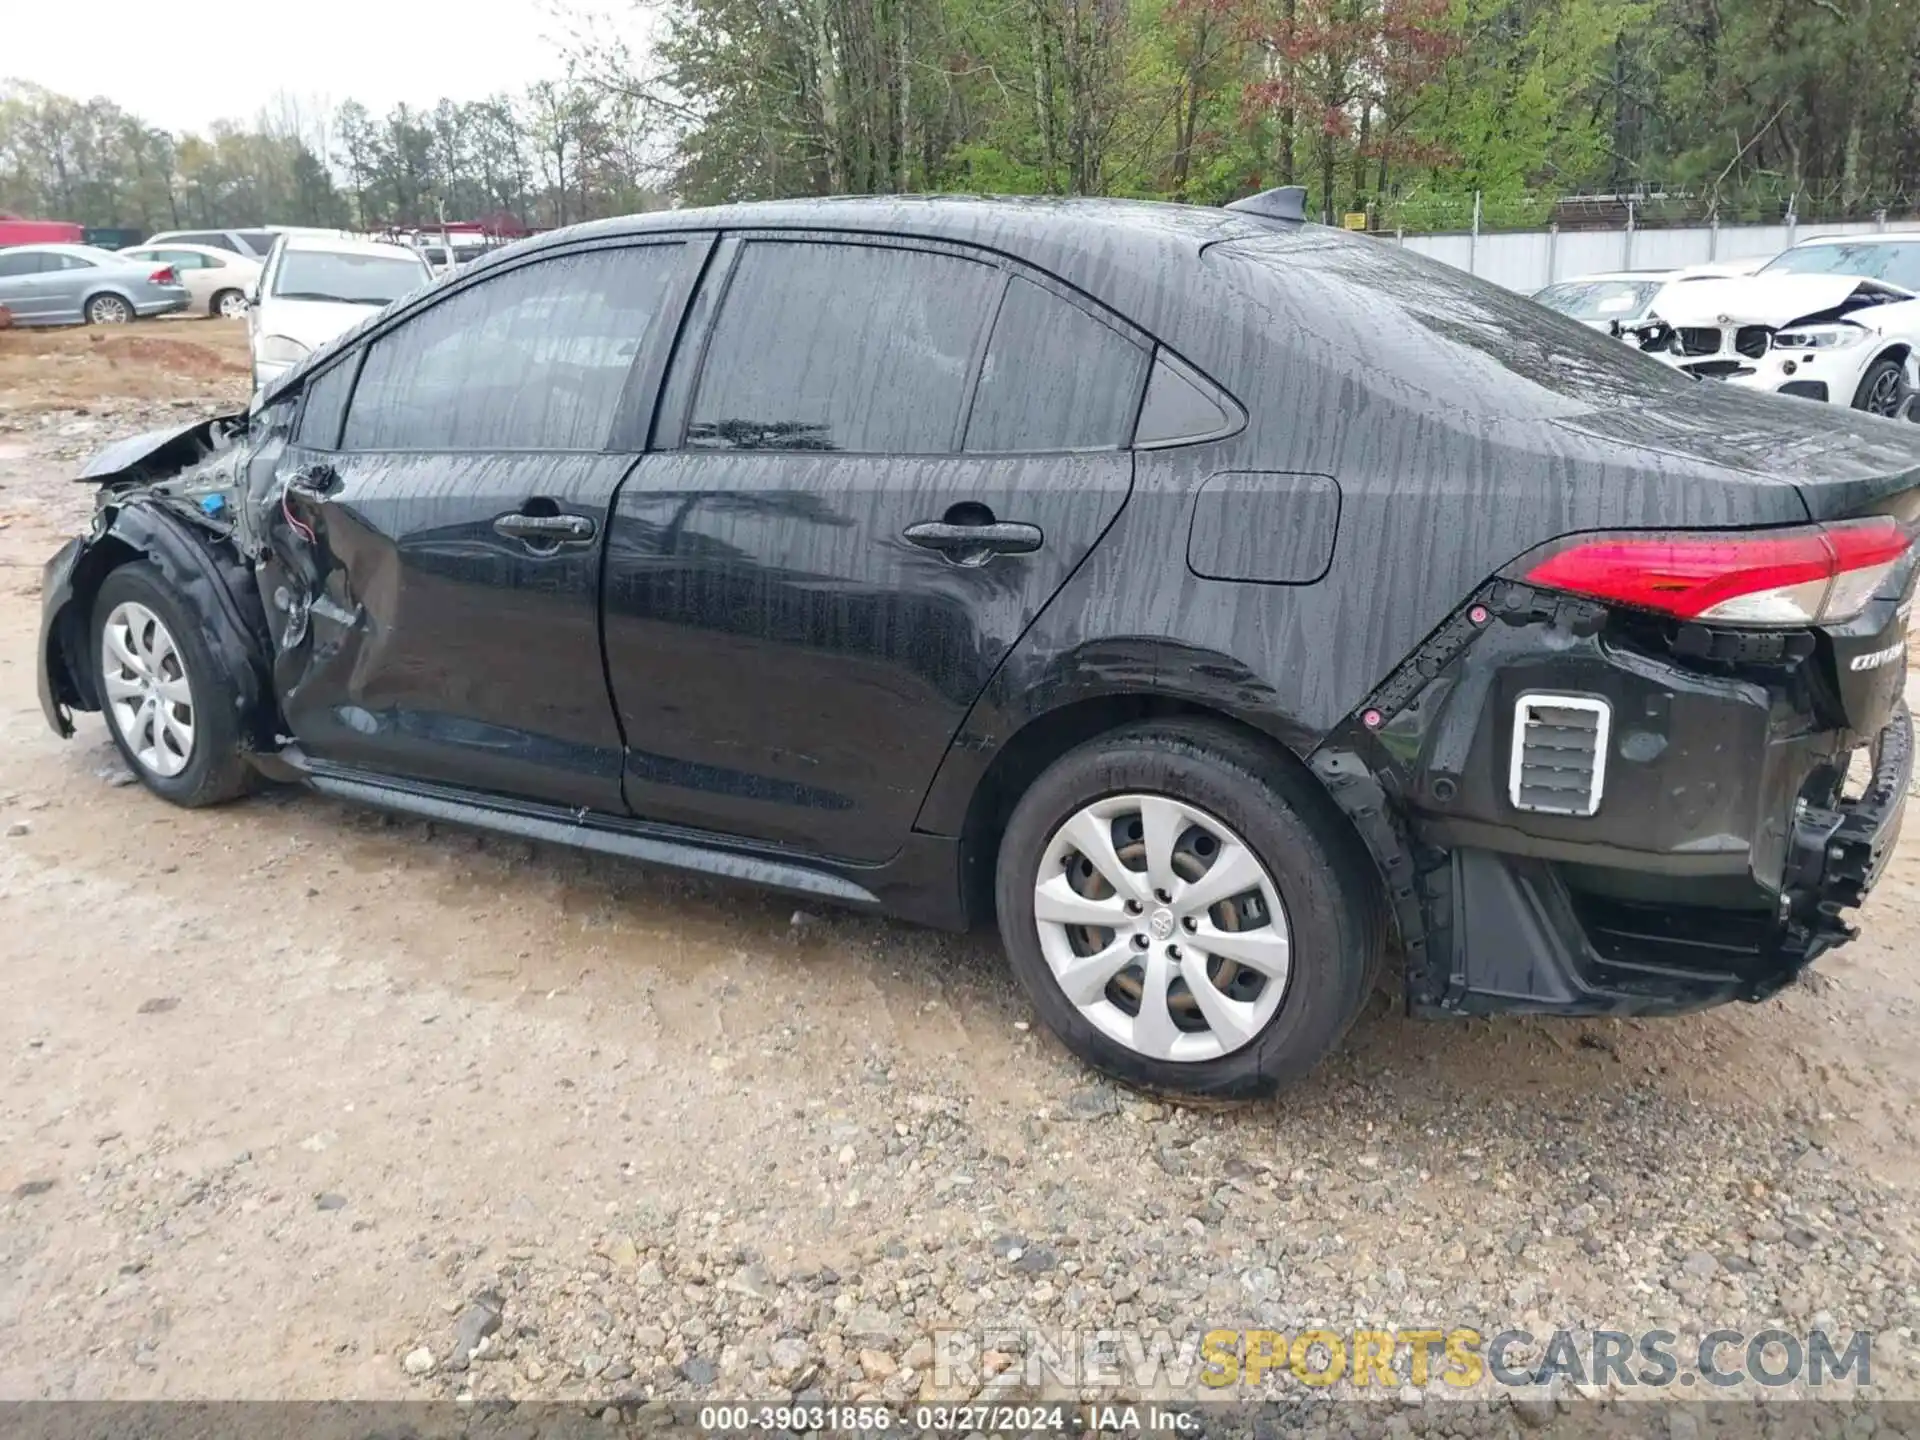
(1842, 462)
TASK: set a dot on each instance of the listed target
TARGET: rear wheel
(1883, 389)
(169, 706)
(108, 310)
(1187, 912)
(229, 305)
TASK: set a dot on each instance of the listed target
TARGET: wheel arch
(214, 589)
(102, 291)
(1901, 352)
(1044, 737)
(70, 678)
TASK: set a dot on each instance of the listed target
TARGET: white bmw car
(1834, 319)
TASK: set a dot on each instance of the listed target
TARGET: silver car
(77, 284)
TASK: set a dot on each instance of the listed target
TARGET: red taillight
(163, 276)
(1780, 577)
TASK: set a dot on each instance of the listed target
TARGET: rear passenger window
(326, 406)
(1055, 378)
(533, 359)
(822, 346)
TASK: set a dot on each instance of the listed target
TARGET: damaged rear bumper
(1723, 843)
(1522, 939)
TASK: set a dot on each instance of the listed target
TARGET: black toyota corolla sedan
(1216, 602)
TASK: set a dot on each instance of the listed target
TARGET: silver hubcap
(233, 306)
(1162, 927)
(109, 312)
(145, 680)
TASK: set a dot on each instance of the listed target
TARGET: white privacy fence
(1525, 260)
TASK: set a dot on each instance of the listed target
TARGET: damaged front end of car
(1814, 337)
(1587, 807)
(190, 501)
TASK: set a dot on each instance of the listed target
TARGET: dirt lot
(288, 1085)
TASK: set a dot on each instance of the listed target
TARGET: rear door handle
(974, 544)
(545, 529)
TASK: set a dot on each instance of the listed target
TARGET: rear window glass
(1429, 331)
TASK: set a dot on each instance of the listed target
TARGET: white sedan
(1834, 319)
(218, 281)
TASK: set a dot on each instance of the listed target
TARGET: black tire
(107, 309)
(1327, 885)
(220, 298)
(215, 770)
(1883, 389)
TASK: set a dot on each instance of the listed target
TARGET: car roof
(1044, 231)
(340, 245)
(66, 247)
(1111, 249)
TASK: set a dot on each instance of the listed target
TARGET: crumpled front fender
(215, 585)
(155, 454)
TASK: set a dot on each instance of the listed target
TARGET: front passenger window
(535, 358)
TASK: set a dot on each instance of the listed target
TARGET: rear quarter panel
(1450, 460)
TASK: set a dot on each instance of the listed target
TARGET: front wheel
(1883, 389)
(169, 706)
(108, 310)
(1188, 911)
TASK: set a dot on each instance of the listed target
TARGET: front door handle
(545, 529)
(976, 544)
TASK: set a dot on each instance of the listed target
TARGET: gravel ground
(303, 1102)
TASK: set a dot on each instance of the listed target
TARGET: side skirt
(920, 884)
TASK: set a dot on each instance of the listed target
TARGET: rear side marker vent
(1559, 764)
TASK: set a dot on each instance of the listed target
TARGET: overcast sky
(159, 63)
